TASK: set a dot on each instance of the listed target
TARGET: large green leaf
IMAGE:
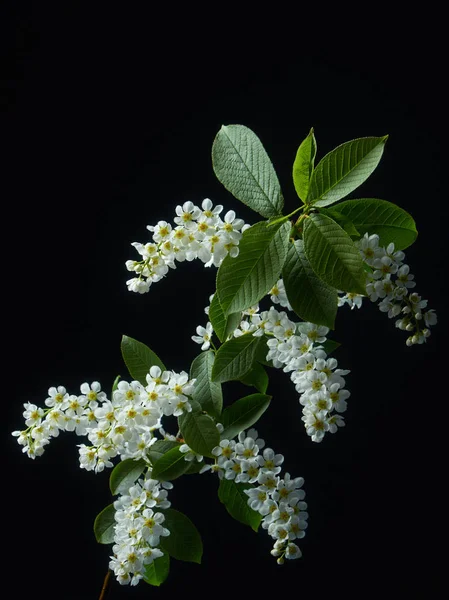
(303, 165)
(333, 255)
(235, 358)
(199, 430)
(207, 392)
(139, 359)
(344, 169)
(223, 326)
(256, 377)
(104, 525)
(231, 494)
(244, 280)
(242, 165)
(170, 466)
(184, 541)
(242, 414)
(124, 474)
(390, 222)
(342, 220)
(310, 297)
(159, 448)
(157, 572)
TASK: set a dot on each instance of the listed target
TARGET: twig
(105, 586)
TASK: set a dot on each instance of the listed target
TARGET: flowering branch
(327, 258)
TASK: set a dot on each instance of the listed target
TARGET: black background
(109, 123)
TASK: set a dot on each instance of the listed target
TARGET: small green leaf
(310, 297)
(170, 466)
(223, 326)
(207, 392)
(256, 377)
(262, 351)
(139, 359)
(234, 358)
(199, 431)
(157, 572)
(244, 280)
(232, 495)
(330, 346)
(124, 474)
(390, 222)
(115, 384)
(303, 165)
(242, 165)
(333, 255)
(104, 525)
(242, 414)
(184, 542)
(159, 448)
(344, 169)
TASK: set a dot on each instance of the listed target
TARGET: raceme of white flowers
(123, 426)
(198, 233)
(278, 499)
(297, 348)
(138, 529)
(389, 283)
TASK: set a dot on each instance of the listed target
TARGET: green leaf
(256, 377)
(157, 572)
(104, 525)
(342, 220)
(344, 169)
(330, 346)
(242, 414)
(124, 474)
(391, 223)
(184, 541)
(195, 467)
(223, 326)
(199, 431)
(244, 280)
(115, 384)
(139, 359)
(234, 358)
(242, 165)
(207, 392)
(231, 494)
(310, 297)
(333, 255)
(303, 165)
(159, 448)
(170, 466)
(262, 351)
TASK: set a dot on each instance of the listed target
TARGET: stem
(105, 586)
(285, 218)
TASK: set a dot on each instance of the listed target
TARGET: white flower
(316, 425)
(224, 452)
(204, 336)
(58, 397)
(270, 461)
(32, 414)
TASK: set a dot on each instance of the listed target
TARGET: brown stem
(105, 586)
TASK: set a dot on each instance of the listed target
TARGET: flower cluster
(278, 499)
(138, 528)
(198, 233)
(123, 426)
(298, 349)
(389, 282)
